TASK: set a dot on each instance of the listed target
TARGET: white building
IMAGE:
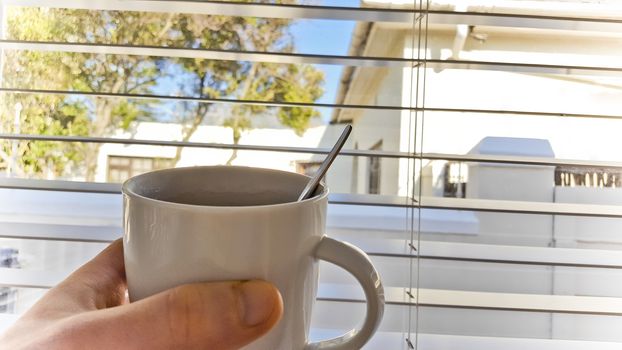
(117, 162)
(494, 88)
(463, 131)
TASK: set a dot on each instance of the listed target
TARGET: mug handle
(355, 261)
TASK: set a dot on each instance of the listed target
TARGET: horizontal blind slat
(466, 342)
(521, 160)
(485, 205)
(522, 207)
(566, 304)
(59, 232)
(23, 278)
(208, 100)
(471, 204)
(398, 296)
(482, 158)
(372, 153)
(209, 54)
(311, 105)
(488, 253)
(432, 250)
(404, 16)
(223, 8)
(296, 58)
(60, 185)
(397, 340)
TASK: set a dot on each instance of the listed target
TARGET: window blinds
(524, 95)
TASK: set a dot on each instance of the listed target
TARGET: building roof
(587, 8)
(514, 146)
(607, 9)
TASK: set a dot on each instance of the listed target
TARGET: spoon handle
(315, 180)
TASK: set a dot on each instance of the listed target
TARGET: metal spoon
(315, 180)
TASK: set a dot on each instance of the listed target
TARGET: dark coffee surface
(220, 199)
(220, 186)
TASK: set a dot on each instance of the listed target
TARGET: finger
(98, 284)
(221, 315)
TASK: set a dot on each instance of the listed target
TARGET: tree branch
(199, 116)
(167, 26)
(8, 160)
(141, 84)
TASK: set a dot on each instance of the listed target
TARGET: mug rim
(125, 188)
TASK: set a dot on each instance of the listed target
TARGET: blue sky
(311, 36)
(324, 37)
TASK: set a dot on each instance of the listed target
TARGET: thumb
(221, 315)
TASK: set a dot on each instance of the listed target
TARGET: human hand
(89, 310)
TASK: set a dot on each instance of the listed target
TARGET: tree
(39, 114)
(125, 74)
(122, 74)
(257, 81)
(42, 115)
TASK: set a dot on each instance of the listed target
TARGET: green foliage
(80, 72)
(129, 111)
(43, 115)
(258, 81)
(126, 74)
(57, 157)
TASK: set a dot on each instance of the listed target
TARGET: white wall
(457, 133)
(213, 156)
(586, 232)
(369, 128)
(507, 182)
(570, 138)
(583, 232)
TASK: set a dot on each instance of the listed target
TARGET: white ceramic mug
(221, 223)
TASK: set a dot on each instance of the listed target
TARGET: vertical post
(2, 31)
(2, 36)
(459, 193)
(14, 143)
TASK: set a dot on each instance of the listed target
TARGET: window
(8, 259)
(122, 168)
(373, 171)
(355, 171)
(7, 299)
(491, 207)
(588, 177)
(455, 178)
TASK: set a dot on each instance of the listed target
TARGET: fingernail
(258, 300)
